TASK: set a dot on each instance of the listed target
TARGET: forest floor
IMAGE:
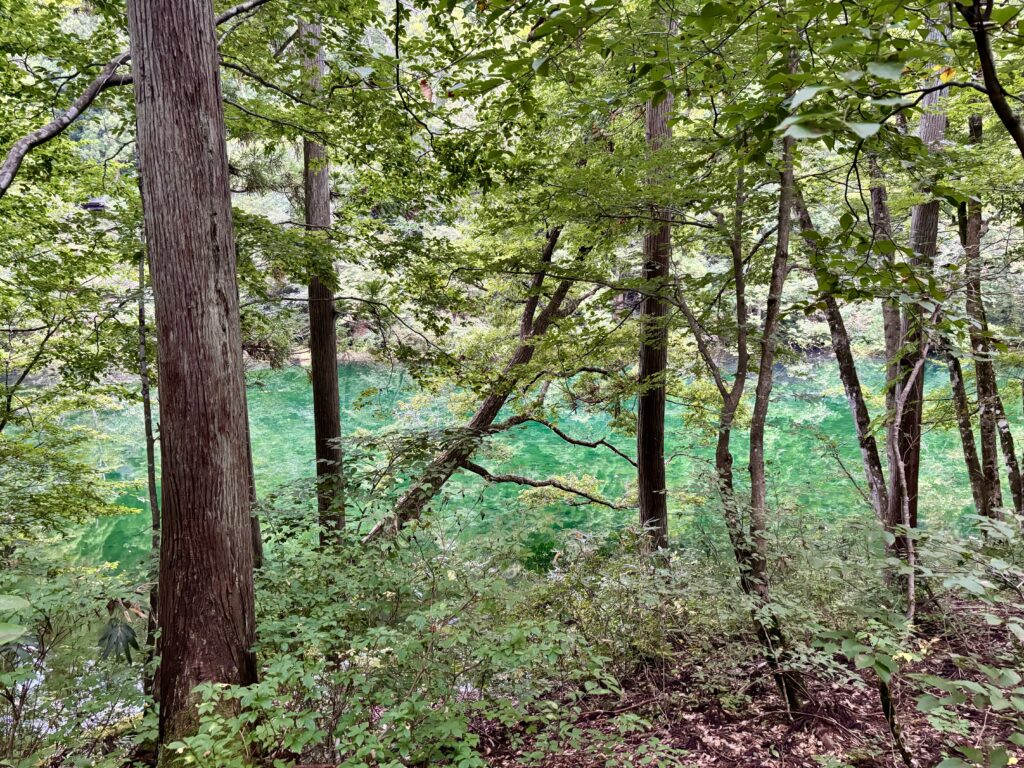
(845, 727)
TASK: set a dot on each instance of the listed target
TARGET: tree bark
(650, 415)
(962, 408)
(206, 553)
(870, 457)
(891, 321)
(323, 335)
(991, 415)
(752, 567)
(924, 227)
(148, 681)
(532, 326)
(765, 373)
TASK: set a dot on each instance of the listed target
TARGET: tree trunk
(751, 566)
(148, 681)
(991, 415)
(924, 227)
(892, 324)
(323, 335)
(962, 408)
(531, 327)
(206, 578)
(870, 457)
(650, 414)
(765, 372)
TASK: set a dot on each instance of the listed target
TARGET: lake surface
(808, 409)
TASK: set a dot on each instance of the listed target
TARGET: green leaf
(1002, 15)
(118, 639)
(864, 130)
(11, 632)
(710, 15)
(1017, 630)
(11, 603)
(886, 70)
(803, 131)
(806, 94)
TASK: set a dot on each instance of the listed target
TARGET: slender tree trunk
(206, 555)
(892, 324)
(962, 408)
(148, 685)
(323, 335)
(532, 326)
(992, 417)
(751, 565)
(650, 415)
(732, 397)
(790, 682)
(924, 227)
(765, 373)
(254, 520)
(870, 457)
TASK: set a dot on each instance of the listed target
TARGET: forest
(500, 383)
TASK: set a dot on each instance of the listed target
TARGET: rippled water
(808, 406)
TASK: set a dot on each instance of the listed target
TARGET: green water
(808, 404)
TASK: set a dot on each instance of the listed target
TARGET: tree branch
(108, 78)
(978, 18)
(584, 443)
(520, 480)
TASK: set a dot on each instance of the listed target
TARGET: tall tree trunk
(892, 324)
(206, 554)
(790, 682)
(323, 335)
(148, 685)
(532, 326)
(992, 417)
(962, 408)
(650, 414)
(751, 566)
(765, 372)
(924, 227)
(870, 457)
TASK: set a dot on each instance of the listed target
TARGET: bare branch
(584, 443)
(520, 480)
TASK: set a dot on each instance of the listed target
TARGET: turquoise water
(808, 405)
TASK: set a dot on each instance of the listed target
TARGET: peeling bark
(206, 554)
